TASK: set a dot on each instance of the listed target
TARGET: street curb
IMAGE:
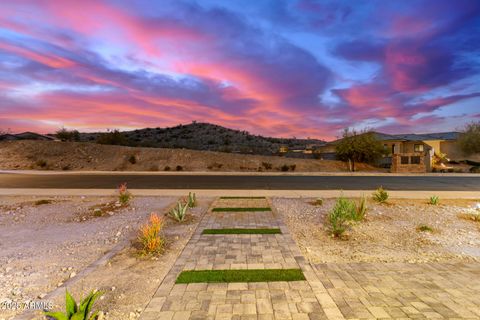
(394, 194)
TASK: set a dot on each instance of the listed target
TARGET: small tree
(359, 147)
(469, 139)
(68, 135)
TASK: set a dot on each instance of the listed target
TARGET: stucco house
(410, 152)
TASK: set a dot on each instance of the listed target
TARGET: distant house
(26, 136)
(409, 152)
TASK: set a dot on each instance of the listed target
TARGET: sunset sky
(273, 67)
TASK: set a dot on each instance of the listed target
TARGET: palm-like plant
(74, 311)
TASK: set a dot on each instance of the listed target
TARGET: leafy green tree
(68, 135)
(469, 139)
(359, 147)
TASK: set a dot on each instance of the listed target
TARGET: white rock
(73, 274)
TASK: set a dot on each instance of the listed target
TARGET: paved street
(240, 182)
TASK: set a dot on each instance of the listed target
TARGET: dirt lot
(389, 233)
(45, 245)
(53, 155)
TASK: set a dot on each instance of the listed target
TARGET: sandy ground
(389, 233)
(43, 246)
(55, 155)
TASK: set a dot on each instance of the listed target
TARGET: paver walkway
(262, 300)
(331, 291)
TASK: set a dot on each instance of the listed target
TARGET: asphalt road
(105, 181)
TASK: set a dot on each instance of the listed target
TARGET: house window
(404, 160)
(415, 160)
(418, 147)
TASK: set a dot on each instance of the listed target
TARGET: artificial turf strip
(240, 209)
(242, 198)
(242, 231)
(244, 275)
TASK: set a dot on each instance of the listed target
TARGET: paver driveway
(256, 300)
(331, 291)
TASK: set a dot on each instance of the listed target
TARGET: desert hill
(206, 136)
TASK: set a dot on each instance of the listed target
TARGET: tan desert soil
(389, 233)
(53, 155)
(42, 246)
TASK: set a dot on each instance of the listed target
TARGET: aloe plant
(74, 311)
(192, 200)
(179, 212)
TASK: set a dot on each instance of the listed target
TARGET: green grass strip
(240, 209)
(257, 275)
(242, 197)
(242, 231)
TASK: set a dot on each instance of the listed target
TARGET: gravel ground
(389, 233)
(42, 246)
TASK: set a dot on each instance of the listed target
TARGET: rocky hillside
(57, 155)
(205, 136)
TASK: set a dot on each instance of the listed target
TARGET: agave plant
(179, 212)
(192, 200)
(74, 311)
(434, 200)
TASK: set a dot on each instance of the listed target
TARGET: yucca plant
(380, 195)
(151, 234)
(179, 212)
(192, 200)
(124, 195)
(434, 200)
(74, 311)
(360, 210)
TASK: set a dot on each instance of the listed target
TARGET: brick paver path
(332, 291)
(263, 300)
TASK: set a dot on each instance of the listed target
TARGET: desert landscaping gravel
(389, 233)
(42, 246)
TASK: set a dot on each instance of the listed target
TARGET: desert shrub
(150, 235)
(179, 212)
(68, 135)
(167, 168)
(424, 228)
(380, 195)
(124, 195)
(215, 166)
(293, 167)
(41, 163)
(284, 167)
(475, 169)
(267, 165)
(114, 137)
(360, 210)
(338, 219)
(179, 168)
(42, 201)
(434, 200)
(132, 159)
(76, 311)
(192, 200)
